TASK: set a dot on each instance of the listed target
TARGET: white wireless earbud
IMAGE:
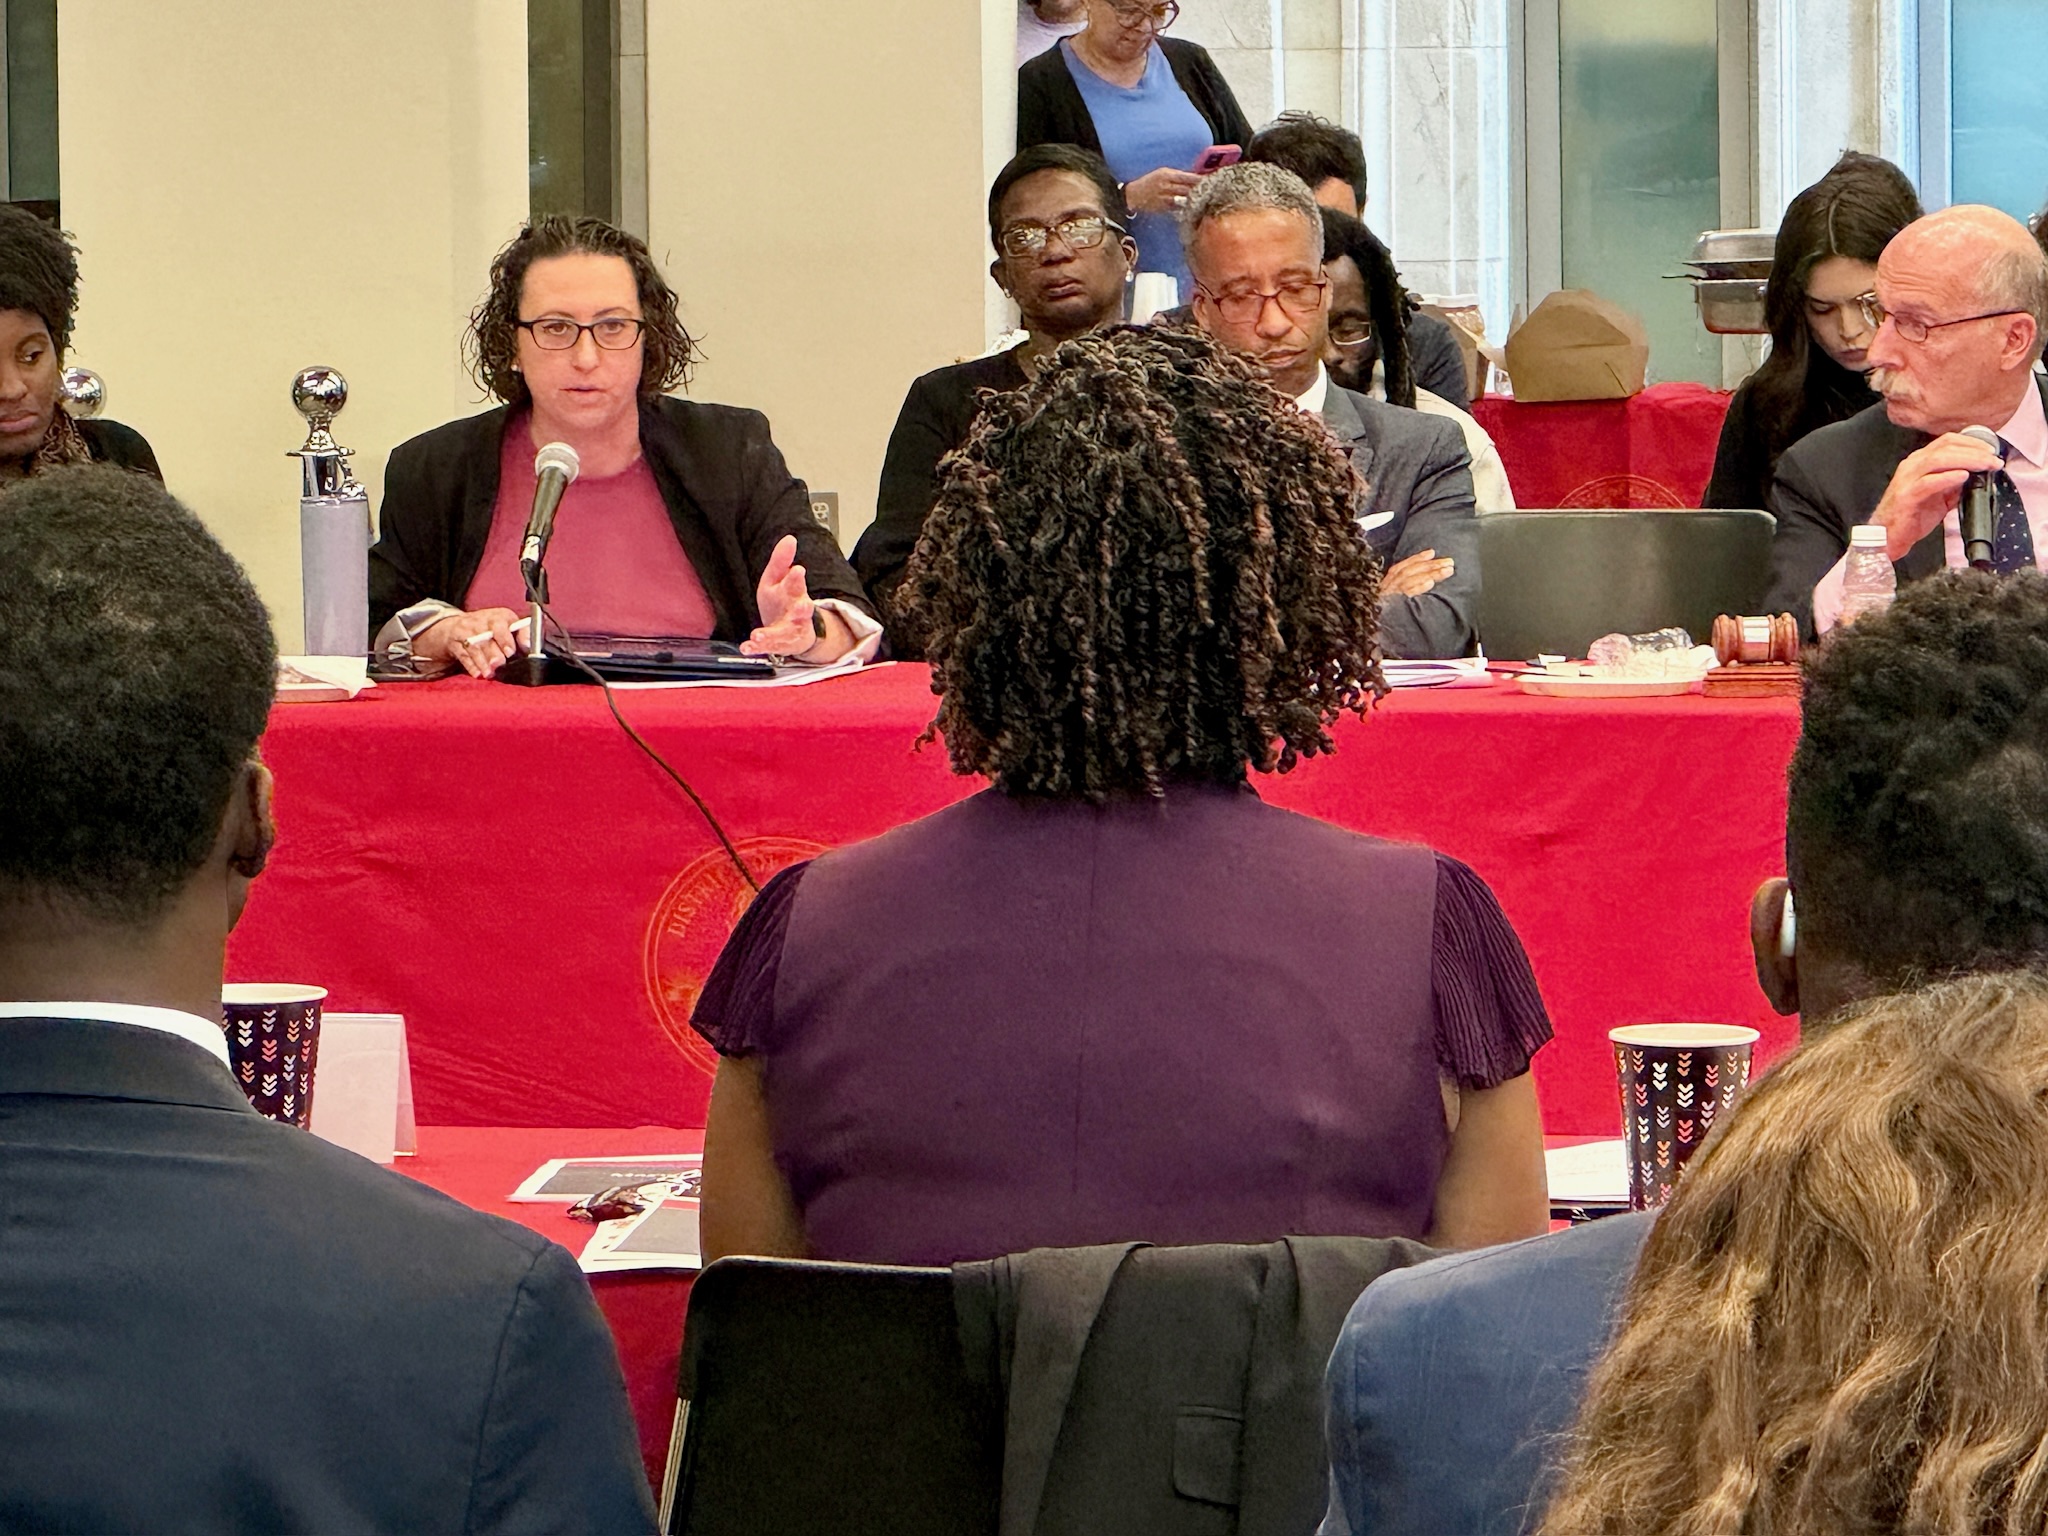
(1788, 930)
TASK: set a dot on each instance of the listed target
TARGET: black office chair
(830, 1397)
(1554, 581)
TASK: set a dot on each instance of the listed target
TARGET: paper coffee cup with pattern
(1676, 1081)
(273, 1035)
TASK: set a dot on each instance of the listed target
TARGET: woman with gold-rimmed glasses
(1149, 104)
(684, 520)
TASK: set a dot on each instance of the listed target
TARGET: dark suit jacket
(1436, 362)
(935, 418)
(1050, 109)
(112, 443)
(1419, 496)
(1453, 1382)
(1164, 1390)
(728, 492)
(1828, 482)
(218, 1323)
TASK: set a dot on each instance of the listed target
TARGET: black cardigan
(935, 419)
(722, 478)
(1050, 109)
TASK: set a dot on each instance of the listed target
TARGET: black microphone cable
(569, 652)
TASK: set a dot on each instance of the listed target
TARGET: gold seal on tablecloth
(1621, 491)
(692, 921)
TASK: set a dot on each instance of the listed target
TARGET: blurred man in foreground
(1916, 839)
(214, 1321)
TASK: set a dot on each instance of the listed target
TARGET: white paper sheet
(664, 1236)
(1458, 672)
(1592, 1173)
(565, 1180)
(362, 1096)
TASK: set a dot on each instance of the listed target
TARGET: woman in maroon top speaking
(683, 520)
(1117, 996)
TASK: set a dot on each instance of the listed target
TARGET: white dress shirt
(2027, 434)
(1312, 398)
(208, 1035)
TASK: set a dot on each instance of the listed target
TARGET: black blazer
(727, 489)
(112, 443)
(935, 419)
(218, 1323)
(1828, 482)
(1050, 109)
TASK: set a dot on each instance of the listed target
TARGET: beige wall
(816, 182)
(243, 212)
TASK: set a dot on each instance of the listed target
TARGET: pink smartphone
(1217, 156)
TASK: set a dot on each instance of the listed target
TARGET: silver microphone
(1978, 509)
(554, 467)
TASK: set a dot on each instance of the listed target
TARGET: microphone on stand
(554, 468)
(1978, 510)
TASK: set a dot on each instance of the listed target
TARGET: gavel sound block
(1759, 657)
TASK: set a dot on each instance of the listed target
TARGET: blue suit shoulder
(1453, 1383)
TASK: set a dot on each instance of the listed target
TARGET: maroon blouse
(1025, 1023)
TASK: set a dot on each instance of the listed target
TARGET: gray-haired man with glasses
(1254, 239)
(1960, 315)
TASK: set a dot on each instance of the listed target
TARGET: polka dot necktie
(2012, 545)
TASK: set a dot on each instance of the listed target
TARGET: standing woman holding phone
(1152, 106)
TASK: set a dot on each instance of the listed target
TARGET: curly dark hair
(1142, 567)
(1314, 148)
(136, 672)
(38, 272)
(1917, 826)
(491, 345)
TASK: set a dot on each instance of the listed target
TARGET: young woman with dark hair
(1826, 258)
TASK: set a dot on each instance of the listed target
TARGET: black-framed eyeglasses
(1917, 331)
(1078, 234)
(555, 333)
(1300, 299)
(1157, 17)
(1350, 332)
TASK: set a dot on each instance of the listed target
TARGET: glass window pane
(1640, 143)
(32, 101)
(569, 52)
(1999, 99)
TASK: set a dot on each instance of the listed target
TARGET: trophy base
(539, 672)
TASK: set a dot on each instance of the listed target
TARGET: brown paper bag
(1576, 345)
(1468, 328)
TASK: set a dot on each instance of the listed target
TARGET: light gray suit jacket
(1418, 496)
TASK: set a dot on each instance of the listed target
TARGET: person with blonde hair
(1840, 1322)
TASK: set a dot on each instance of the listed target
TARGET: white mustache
(1880, 380)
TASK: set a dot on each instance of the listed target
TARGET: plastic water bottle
(1868, 582)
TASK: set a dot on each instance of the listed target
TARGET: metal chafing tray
(1728, 269)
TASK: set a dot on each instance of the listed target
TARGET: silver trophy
(334, 524)
(84, 392)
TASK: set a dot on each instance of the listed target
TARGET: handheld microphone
(1978, 510)
(554, 467)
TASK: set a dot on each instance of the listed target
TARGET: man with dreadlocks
(1116, 996)
(38, 298)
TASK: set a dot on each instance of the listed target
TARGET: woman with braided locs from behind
(38, 302)
(1840, 1323)
(1116, 996)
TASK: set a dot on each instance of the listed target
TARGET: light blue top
(1152, 124)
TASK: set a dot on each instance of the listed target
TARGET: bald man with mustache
(1961, 313)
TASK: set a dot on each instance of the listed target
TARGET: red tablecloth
(480, 1167)
(1654, 449)
(504, 868)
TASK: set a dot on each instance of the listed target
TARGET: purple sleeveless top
(1027, 1023)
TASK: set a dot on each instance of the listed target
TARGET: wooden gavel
(1755, 638)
